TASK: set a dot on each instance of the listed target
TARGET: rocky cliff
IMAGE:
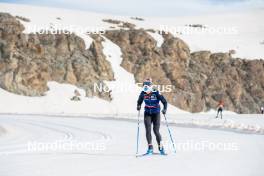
(28, 61)
(199, 80)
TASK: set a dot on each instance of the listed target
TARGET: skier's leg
(221, 111)
(217, 113)
(156, 127)
(147, 122)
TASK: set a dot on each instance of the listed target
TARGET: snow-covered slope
(57, 101)
(241, 31)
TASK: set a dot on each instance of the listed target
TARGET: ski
(147, 154)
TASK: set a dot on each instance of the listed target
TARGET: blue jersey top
(151, 101)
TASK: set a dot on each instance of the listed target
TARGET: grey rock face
(199, 79)
(28, 61)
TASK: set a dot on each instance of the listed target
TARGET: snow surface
(158, 37)
(117, 154)
(241, 31)
(2, 131)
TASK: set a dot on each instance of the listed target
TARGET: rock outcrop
(199, 79)
(28, 61)
(121, 24)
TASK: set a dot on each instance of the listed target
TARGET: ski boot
(150, 150)
(161, 150)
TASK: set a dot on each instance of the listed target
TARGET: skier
(151, 99)
(262, 110)
(220, 108)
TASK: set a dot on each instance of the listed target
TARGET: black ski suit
(152, 113)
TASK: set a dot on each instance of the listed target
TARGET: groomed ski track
(118, 138)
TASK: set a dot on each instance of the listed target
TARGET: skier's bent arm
(140, 100)
(164, 102)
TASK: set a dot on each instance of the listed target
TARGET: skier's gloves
(164, 111)
(138, 107)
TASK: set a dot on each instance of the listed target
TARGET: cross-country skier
(220, 108)
(262, 110)
(151, 99)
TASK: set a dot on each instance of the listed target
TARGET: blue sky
(148, 7)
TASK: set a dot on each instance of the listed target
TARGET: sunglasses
(147, 83)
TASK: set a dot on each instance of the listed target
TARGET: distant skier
(262, 110)
(220, 108)
(151, 99)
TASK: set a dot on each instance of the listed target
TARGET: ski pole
(170, 133)
(138, 132)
